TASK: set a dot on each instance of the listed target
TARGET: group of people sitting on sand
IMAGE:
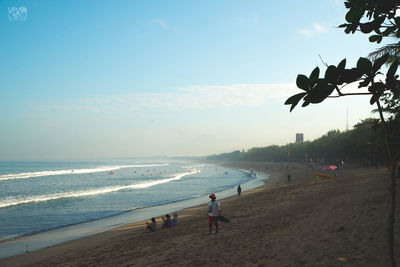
(167, 223)
(213, 213)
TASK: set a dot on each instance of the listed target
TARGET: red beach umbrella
(329, 167)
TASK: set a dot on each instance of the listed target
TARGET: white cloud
(198, 97)
(304, 32)
(319, 27)
(160, 22)
(338, 2)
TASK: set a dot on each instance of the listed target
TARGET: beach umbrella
(329, 167)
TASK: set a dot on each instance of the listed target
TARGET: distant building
(299, 138)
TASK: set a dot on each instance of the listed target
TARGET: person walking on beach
(239, 190)
(214, 210)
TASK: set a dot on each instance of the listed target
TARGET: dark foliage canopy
(363, 144)
(376, 18)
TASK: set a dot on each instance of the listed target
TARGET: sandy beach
(330, 222)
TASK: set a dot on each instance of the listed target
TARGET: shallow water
(39, 196)
(48, 238)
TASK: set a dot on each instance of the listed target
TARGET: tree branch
(338, 90)
(341, 94)
(326, 65)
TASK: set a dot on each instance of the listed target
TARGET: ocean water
(39, 196)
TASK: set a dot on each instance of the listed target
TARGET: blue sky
(96, 79)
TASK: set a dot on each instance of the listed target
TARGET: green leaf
(349, 16)
(363, 83)
(367, 27)
(397, 21)
(305, 104)
(342, 65)
(302, 82)
(364, 65)
(353, 27)
(396, 91)
(379, 62)
(350, 75)
(392, 70)
(294, 100)
(366, 81)
(332, 74)
(375, 38)
(320, 92)
(354, 14)
(378, 21)
(377, 88)
(314, 76)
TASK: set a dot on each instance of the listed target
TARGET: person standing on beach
(214, 210)
(239, 190)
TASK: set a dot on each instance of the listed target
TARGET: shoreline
(341, 222)
(20, 245)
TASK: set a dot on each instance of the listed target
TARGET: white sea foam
(194, 166)
(12, 201)
(26, 175)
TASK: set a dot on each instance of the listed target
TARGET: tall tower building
(299, 137)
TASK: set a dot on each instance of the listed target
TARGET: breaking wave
(12, 201)
(26, 175)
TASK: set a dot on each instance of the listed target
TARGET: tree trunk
(392, 213)
(392, 188)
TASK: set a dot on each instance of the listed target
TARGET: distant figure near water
(239, 190)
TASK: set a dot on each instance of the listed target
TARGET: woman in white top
(214, 210)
